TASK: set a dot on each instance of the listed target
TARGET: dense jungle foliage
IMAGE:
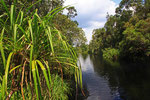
(37, 58)
(125, 34)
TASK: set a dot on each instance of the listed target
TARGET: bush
(110, 53)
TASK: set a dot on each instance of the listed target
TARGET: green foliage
(136, 39)
(128, 31)
(98, 40)
(83, 49)
(0, 91)
(35, 51)
(110, 54)
(44, 6)
(60, 90)
(74, 35)
(72, 12)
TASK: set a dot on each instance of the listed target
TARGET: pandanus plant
(32, 49)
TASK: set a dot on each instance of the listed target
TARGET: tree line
(126, 34)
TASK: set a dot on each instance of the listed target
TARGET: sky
(92, 13)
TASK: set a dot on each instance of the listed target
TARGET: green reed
(33, 48)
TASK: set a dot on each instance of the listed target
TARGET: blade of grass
(25, 33)
(66, 45)
(3, 88)
(80, 72)
(31, 31)
(45, 75)
(73, 65)
(21, 38)
(49, 73)
(5, 14)
(20, 16)
(12, 16)
(78, 79)
(14, 68)
(6, 75)
(2, 49)
(38, 78)
(52, 11)
(35, 28)
(31, 57)
(50, 39)
(15, 35)
(52, 15)
(35, 79)
(75, 75)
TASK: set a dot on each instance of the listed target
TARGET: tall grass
(35, 50)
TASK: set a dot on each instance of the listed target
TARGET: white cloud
(96, 24)
(92, 13)
(88, 30)
(88, 33)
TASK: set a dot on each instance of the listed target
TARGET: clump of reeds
(32, 49)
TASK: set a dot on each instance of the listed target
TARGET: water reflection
(114, 81)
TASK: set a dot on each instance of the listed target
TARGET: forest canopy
(127, 32)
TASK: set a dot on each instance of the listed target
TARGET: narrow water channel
(115, 81)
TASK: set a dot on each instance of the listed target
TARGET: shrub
(110, 53)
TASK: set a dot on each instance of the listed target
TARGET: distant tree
(70, 29)
(127, 31)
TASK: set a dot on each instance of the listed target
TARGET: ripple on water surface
(96, 85)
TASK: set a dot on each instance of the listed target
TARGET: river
(114, 80)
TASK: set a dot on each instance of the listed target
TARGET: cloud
(88, 30)
(92, 13)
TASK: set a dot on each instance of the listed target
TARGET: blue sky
(117, 1)
(92, 13)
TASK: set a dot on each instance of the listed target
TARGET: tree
(136, 40)
(69, 28)
(72, 12)
(126, 32)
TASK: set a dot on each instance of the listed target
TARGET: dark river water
(113, 80)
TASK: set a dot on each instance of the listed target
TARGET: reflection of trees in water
(132, 81)
(84, 56)
(104, 70)
(135, 81)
